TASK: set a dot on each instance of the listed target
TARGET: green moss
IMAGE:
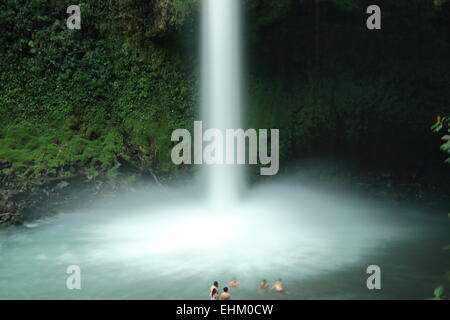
(39, 152)
(75, 101)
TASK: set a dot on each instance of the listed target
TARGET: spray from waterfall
(221, 90)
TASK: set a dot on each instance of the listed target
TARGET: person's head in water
(263, 284)
(225, 289)
(278, 286)
(216, 284)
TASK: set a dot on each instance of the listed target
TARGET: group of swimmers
(214, 293)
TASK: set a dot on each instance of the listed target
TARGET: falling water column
(221, 89)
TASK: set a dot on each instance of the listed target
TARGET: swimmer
(234, 283)
(215, 285)
(214, 294)
(263, 285)
(225, 295)
(278, 286)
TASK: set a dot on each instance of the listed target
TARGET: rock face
(24, 200)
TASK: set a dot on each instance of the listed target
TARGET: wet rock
(4, 164)
(28, 200)
(62, 185)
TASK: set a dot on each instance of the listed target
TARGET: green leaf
(439, 292)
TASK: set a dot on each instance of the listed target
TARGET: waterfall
(221, 90)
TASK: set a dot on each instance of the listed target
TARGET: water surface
(153, 245)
